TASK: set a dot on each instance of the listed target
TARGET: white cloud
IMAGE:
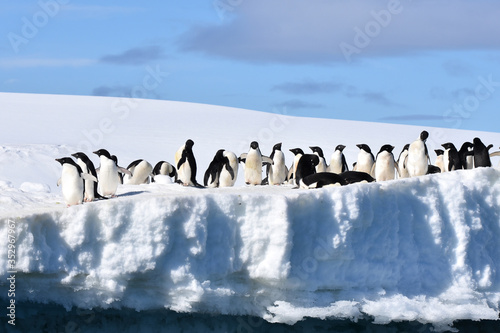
(313, 31)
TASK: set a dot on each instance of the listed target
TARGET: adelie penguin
(417, 161)
(322, 166)
(439, 162)
(297, 152)
(186, 165)
(216, 176)
(164, 172)
(481, 154)
(141, 170)
(253, 164)
(365, 159)
(87, 166)
(451, 158)
(109, 177)
(466, 155)
(338, 162)
(403, 171)
(72, 181)
(385, 166)
(277, 171)
(307, 177)
(229, 172)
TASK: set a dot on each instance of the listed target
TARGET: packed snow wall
(423, 249)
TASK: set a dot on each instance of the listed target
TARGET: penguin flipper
(267, 160)
(125, 171)
(497, 153)
(88, 176)
(242, 158)
(396, 165)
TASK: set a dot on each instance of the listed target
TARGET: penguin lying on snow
(72, 181)
(161, 169)
(141, 170)
(306, 176)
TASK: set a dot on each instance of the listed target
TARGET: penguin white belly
(440, 163)
(365, 163)
(335, 163)
(184, 173)
(417, 160)
(140, 174)
(469, 162)
(446, 160)
(321, 167)
(384, 167)
(253, 168)
(225, 179)
(402, 165)
(277, 171)
(108, 178)
(71, 186)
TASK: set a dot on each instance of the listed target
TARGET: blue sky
(428, 63)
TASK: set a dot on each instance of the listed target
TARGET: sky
(425, 63)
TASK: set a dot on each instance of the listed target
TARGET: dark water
(31, 317)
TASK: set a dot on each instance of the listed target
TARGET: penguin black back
(481, 154)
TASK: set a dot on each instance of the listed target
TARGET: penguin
(120, 174)
(466, 155)
(307, 177)
(297, 152)
(431, 169)
(365, 159)
(351, 177)
(385, 166)
(211, 178)
(141, 170)
(417, 160)
(277, 172)
(451, 158)
(338, 163)
(253, 164)
(109, 177)
(229, 172)
(439, 162)
(87, 166)
(186, 165)
(322, 166)
(163, 169)
(403, 171)
(481, 154)
(72, 181)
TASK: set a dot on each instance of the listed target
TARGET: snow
(424, 249)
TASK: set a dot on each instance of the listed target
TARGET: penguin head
(220, 154)
(448, 145)
(254, 145)
(103, 152)
(297, 151)
(81, 156)
(364, 147)
(318, 150)
(277, 146)
(189, 143)
(406, 147)
(424, 135)
(340, 148)
(66, 160)
(439, 152)
(387, 148)
(115, 159)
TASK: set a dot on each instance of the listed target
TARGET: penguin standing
(338, 163)
(365, 159)
(277, 172)
(403, 171)
(186, 165)
(417, 161)
(385, 166)
(211, 178)
(297, 152)
(481, 154)
(451, 158)
(141, 170)
(466, 155)
(72, 181)
(253, 164)
(109, 177)
(87, 166)
(229, 171)
(439, 162)
(322, 166)
(163, 169)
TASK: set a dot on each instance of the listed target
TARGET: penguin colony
(82, 182)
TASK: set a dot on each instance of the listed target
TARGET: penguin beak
(59, 160)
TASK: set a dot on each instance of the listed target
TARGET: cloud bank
(321, 31)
